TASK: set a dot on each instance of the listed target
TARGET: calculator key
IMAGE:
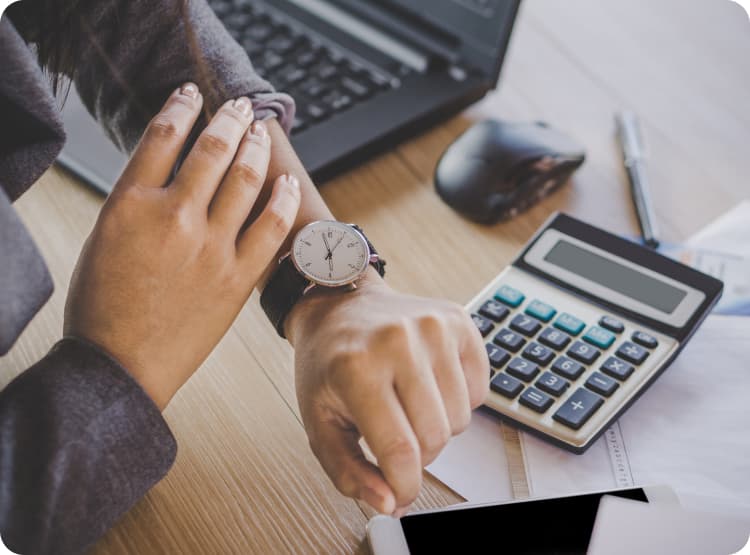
(632, 352)
(509, 340)
(567, 368)
(483, 324)
(541, 311)
(506, 385)
(552, 384)
(601, 384)
(569, 323)
(599, 337)
(522, 369)
(525, 325)
(536, 400)
(498, 357)
(536, 353)
(578, 408)
(583, 353)
(494, 311)
(510, 296)
(617, 368)
(645, 339)
(554, 338)
(612, 324)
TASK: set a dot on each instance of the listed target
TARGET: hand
(169, 264)
(402, 371)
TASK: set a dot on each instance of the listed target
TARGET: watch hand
(325, 241)
(330, 263)
(337, 243)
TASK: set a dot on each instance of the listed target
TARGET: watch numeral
(308, 244)
(308, 264)
(352, 266)
(350, 245)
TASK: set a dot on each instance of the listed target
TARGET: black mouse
(497, 169)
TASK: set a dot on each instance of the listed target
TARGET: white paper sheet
(690, 430)
(474, 464)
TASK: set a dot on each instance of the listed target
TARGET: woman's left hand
(403, 372)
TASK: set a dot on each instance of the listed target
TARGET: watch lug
(284, 257)
(310, 286)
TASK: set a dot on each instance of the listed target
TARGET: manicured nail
(259, 129)
(243, 106)
(189, 89)
(292, 181)
(371, 497)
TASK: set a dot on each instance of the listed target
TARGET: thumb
(336, 445)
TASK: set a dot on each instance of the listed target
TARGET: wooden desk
(245, 480)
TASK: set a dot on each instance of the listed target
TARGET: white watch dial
(330, 253)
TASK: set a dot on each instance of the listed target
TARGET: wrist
(312, 305)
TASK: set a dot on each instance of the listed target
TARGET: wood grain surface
(245, 480)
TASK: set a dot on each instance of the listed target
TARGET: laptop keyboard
(323, 79)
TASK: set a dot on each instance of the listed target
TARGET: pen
(634, 158)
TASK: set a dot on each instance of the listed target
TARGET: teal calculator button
(512, 297)
(570, 324)
(599, 337)
(541, 311)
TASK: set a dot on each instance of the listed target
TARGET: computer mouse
(497, 169)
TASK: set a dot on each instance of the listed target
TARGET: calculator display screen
(623, 279)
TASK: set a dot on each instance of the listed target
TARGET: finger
(423, 403)
(205, 166)
(454, 391)
(244, 180)
(260, 242)
(337, 448)
(157, 152)
(474, 361)
(382, 421)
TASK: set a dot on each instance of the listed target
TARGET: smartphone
(561, 525)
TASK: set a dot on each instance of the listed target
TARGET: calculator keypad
(555, 366)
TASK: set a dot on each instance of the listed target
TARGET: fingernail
(371, 497)
(244, 106)
(189, 89)
(292, 181)
(259, 129)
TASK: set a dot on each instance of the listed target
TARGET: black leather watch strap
(286, 286)
(283, 290)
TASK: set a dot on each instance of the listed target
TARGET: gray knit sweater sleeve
(81, 442)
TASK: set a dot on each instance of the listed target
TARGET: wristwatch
(323, 254)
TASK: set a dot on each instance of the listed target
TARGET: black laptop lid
(476, 32)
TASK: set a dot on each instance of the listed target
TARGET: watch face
(330, 253)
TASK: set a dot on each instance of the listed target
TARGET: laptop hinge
(370, 35)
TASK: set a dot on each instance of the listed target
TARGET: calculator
(580, 325)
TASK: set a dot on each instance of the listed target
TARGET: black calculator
(580, 325)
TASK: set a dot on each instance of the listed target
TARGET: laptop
(365, 74)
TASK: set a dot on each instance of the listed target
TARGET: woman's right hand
(170, 263)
